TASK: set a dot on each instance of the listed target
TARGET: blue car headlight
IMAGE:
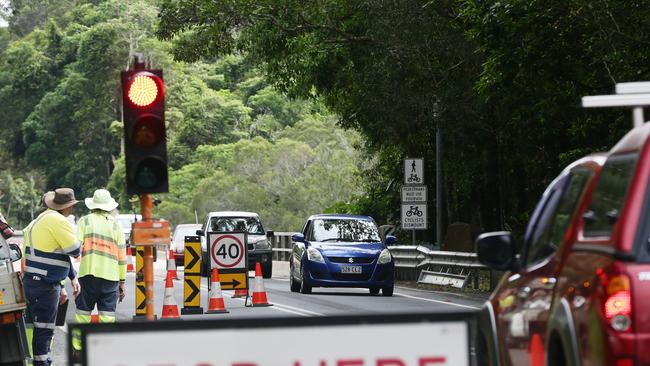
(385, 257)
(314, 255)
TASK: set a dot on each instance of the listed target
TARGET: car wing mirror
(298, 238)
(497, 250)
(15, 254)
(270, 233)
(200, 232)
(391, 240)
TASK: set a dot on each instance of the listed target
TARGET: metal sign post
(147, 234)
(146, 208)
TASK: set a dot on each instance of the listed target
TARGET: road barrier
(416, 263)
(281, 244)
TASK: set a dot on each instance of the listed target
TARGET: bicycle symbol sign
(414, 216)
(227, 251)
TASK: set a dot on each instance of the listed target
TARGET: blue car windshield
(345, 230)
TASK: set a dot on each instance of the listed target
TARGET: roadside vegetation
(288, 107)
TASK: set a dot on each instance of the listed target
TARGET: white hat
(101, 200)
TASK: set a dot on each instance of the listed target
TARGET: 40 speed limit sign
(229, 254)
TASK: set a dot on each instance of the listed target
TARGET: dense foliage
(253, 87)
(502, 79)
(235, 142)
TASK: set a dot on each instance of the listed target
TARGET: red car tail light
(617, 306)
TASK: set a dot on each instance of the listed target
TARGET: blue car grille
(351, 277)
(356, 260)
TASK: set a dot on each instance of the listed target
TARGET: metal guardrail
(437, 267)
(414, 262)
(281, 246)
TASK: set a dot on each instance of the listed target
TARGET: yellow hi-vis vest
(103, 248)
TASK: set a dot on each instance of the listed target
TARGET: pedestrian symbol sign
(413, 171)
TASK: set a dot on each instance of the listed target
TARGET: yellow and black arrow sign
(192, 276)
(140, 297)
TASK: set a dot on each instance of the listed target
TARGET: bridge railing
(417, 263)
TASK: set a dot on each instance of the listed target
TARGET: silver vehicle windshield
(182, 231)
(251, 225)
(345, 230)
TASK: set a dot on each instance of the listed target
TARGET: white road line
(437, 301)
(300, 309)
(277, 306)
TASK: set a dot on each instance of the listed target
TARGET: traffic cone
(240, 292)
(94, 316)
(536, 350)
(171, 265)
(129, 260)
(259, 293)
(215, 304)
(169, 309)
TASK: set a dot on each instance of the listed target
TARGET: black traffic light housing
(145, 141)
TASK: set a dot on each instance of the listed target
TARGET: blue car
(341, 251)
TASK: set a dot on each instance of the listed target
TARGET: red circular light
(143, 91)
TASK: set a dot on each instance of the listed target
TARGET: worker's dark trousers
(42, 301)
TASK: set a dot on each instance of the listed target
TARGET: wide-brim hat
(101, 200)
(59, 199)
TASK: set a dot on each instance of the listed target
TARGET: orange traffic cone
(94, 316)
(129, 260)
(536, 350)
(215, 304)
(171, 265)
(259, 293)
(240, 292)
(169, 309)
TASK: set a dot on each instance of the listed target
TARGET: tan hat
(59, 199)
(101, 200)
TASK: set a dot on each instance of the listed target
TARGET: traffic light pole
(146, 208)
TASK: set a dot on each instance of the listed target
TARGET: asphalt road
(322, 302)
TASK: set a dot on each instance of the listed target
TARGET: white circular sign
(227, 251)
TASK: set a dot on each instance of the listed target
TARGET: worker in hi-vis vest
(63, 297)
(102, 271)
(49, 243)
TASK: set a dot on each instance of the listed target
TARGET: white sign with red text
(444, 343)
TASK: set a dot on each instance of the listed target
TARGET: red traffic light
(145, 89)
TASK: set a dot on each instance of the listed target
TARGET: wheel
(304, 288)
(387, 291)
(374, 291)
(267, 270)
(293, 285)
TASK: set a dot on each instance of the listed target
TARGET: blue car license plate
(351, 269)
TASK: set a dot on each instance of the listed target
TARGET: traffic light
(143, 102)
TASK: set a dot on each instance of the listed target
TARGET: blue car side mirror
(391, 240)
(298, 238)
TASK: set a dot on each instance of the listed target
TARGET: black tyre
(293, 285)
(387, 291)
(304, 288)
(374, 291)
(267, 270)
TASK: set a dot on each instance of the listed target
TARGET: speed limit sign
(229, 254)
(228, 250)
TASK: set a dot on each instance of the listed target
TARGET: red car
(578, 292)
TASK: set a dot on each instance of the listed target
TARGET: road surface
(321, 303)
